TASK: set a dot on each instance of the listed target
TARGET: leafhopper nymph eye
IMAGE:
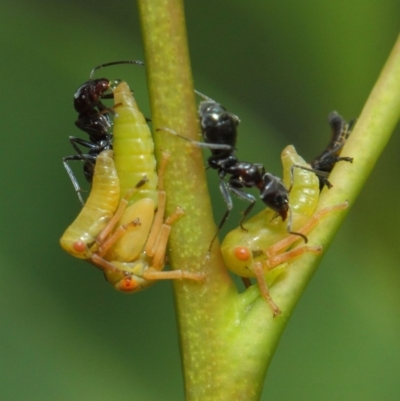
(266, 243)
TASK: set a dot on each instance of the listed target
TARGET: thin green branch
(374, 127)
(200, 306)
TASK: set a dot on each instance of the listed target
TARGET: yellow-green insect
(133, 146)
(130, 246)
(81, 236)
(139, 254)
(254, 252)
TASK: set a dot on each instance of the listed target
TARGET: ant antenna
(216, 146)
(289, 227)
(205, 97)
(137, 62)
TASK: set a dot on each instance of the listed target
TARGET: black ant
(331, 155)
(94, 119)
(323, 164)
(219, 131)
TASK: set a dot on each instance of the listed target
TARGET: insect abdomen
(304, 195)
(98, 209)
(133, 145)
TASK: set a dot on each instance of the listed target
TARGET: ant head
(90, 93)
(210, 111)
(275, 195)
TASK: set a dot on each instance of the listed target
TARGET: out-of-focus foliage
(282, 67)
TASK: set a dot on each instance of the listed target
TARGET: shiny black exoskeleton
(94, 119)
(326, 161)
(218, 127)
(219, 131)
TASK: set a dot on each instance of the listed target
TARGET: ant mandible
(94, 119)
(219, 131)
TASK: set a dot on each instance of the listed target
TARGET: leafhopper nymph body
(265, 243)
(130, 247)
(139, 254)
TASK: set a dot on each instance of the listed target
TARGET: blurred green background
(282, 67)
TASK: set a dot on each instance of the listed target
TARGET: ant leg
(81, 157)
(311, 223)
(322, 174)
(74, 141)
(96, 123)
(350, 127)
(71, 174)
(247, 197)
(228, 201)
(214, 146)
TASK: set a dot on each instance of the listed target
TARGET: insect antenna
(205, 97)
(136, 62)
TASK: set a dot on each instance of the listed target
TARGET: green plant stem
(228, 339)
(200, 307)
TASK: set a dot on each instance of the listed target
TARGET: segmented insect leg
(259, 272)
(156, 244)
(312, 222)
(156, 247)
(276, 260)
(103, 241)
(152, 274)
